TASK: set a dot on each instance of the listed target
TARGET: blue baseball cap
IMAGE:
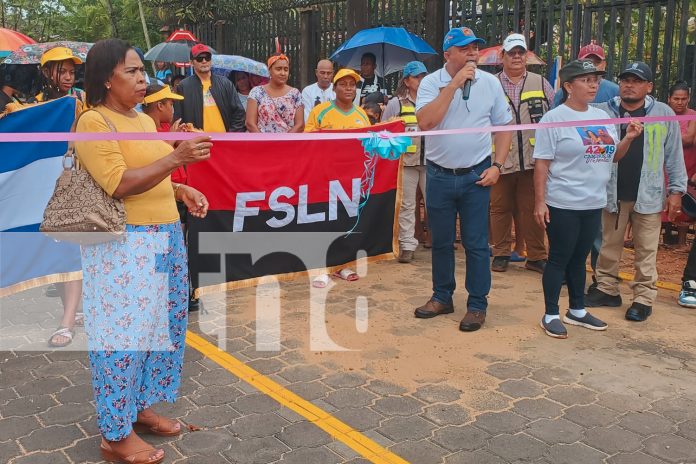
(414, 68)
(460, 37)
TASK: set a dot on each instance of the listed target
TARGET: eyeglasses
(202, 58)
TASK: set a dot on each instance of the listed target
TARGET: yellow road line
(342, 432)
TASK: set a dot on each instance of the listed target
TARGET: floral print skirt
(135, 297)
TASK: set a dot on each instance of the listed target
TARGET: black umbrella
(176, 51)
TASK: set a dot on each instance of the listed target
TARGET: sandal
(157, 429)
(80, 319)
(346, 274)
(320, 281)
(142, 456)
(61, 331)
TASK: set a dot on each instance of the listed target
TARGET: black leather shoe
(638, 312)
(473, 320)
(500, 263)
(433, 308)
(596, 298)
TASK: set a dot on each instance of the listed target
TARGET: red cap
(591, 49)
(199, 49)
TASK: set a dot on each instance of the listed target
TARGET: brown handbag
(80, 211)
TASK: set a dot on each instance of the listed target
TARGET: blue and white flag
(28, 174)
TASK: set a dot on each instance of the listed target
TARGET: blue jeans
(448, 194)
(571, 234)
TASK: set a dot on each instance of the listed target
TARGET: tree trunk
(112, 18)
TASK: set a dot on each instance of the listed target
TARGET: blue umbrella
(393, 47)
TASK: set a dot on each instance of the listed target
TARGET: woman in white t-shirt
(572, 169)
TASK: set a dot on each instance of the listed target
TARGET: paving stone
(359, 418)
(421, 452)
(86, 450)
(7, 394)
(554, 376)
(27, 406)
(210, 416)
(612, 440)
(220, 377)
(303, 434)
(345, 380)
(398, 406)
(475, 457)
(554, 431)
(406, 428)
(572, 395)
(358, 461)
(538, 408)
(302, 373)
(520, 447)
(623, 402)
(258, 403)
(446, 414)
(8, 450)
(257, 425)
(215, 395)
(344, 451)
(646, 423)
(43, 458)
(67, 414)
(321, 404)
(577, 453)
(508, 370)
(678, 409)
(50, 438)
(671, 448)
(42, 386)
(590, 415)
(16, 427)
(203, 441)
(193, 369)
(385, 388)
(207, 459)
(256, 450)
(501, 422)
(14, 378)
(350, 397)
(58, 369)
(438, 393)
(76, 394)
(309, 391)
(23, 363)
(466, 437)
(267, 366)
(634, 458)
(378, 438)
(522, 388)
(311, 456)
(491, 401)
(688, 429)
(289, 415)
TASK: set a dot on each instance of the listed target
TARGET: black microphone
(466, 90)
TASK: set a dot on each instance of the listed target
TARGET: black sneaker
(596, 298)
(554, 328)
(588, 321)
(500, 263)
(536, 266)
(638, 312)
(194, 304)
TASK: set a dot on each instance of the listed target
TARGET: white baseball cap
(514, 40)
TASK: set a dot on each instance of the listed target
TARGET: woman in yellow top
(58, 76)
(135, 290)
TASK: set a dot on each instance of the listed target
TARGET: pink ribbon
(260, 137)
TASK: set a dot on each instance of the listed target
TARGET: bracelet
(176, 188)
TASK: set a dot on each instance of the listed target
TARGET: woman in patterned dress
(135, 290)
(275, 107)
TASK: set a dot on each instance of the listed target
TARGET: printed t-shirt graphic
(212, 119)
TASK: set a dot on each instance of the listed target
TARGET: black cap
(578, 68)
(639, 69)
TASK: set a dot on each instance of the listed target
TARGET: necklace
(128, 113)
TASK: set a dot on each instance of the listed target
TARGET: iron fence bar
(527, 20)
(654, 42)
(642, 18)
(612, 40)
(538, 27)
(668, 47)
(682, 38)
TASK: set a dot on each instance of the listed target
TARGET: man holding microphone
(460, 171)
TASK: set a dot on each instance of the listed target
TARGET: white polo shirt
(487, 106)
(313, 95)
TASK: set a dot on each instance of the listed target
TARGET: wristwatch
(499, 166)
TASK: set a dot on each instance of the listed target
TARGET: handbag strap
(70, 154)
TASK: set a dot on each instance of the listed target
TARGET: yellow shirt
(329, 116)
(106, 161)
(212, 119)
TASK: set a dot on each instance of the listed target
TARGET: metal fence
(652, 31)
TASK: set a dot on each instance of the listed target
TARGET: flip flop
(61, 332)
(346, 274)
(320, 281)
(80, 319)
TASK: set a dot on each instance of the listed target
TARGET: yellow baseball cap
(162, 94)
(59, 54)
(345, 72)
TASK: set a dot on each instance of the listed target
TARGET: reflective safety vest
(533, 105)
(414, 155)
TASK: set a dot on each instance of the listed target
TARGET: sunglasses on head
(202, 58)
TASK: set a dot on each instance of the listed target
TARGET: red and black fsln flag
(283, 192)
